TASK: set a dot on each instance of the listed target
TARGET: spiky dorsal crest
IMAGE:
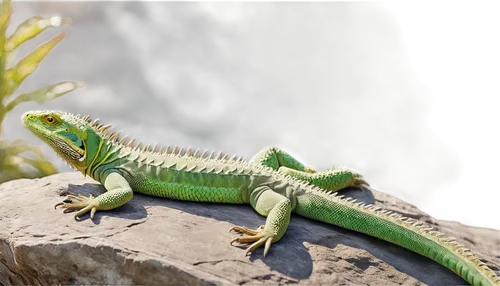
(155, 148)
(114, 137)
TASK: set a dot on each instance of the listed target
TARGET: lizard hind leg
(275, 158)
(331, 180)
(277, 208)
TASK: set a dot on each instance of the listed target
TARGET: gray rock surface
(158, 241)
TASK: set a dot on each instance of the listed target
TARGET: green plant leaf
(17, 147)
(4, 5)
(31, 28)
(39, 95)
(5, 12)
(5, 16)
(43, 166)
(18, 159)
(46, 93)
(14, 76)
(15, 154)
(11, 168)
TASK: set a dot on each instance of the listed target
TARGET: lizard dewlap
(274, 183)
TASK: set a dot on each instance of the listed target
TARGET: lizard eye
(50, 120)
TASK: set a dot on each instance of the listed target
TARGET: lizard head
(67, 134)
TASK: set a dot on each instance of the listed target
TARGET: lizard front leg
(277, 208)
(118, 193)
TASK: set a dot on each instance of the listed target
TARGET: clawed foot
(359, 182)
(82, 203)
(259, 237)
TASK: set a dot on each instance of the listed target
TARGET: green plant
(17, 159)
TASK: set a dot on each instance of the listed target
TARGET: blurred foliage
(17, 159)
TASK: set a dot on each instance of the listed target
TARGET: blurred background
(404, 93)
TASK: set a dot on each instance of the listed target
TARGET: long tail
(408, 233)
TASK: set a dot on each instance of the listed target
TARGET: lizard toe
(260, 236)
(359, 182)
(245, 230)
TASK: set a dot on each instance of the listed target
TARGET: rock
(157, 241)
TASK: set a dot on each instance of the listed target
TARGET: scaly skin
(274, 183)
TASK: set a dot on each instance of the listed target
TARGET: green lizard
(273, 183)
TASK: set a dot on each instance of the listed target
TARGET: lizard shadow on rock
(402, 259)
(282, 253)
(290, 247)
